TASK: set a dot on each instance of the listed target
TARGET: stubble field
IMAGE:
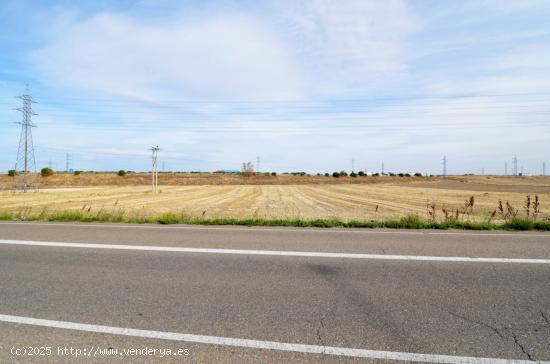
(374, 198)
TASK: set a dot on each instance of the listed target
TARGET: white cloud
(351, 42)
(233, 56)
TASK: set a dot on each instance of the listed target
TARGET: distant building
(228, 171)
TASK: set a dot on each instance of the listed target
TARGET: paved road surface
(273, 308)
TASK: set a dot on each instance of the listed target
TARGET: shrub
(407, 174)
(327, 174)
(76, 173)
(335, 174)
(391, 174)
(376, 174)
(122, 173)
(45, 172)
(418, 174)
(12, 172)
(361, 173)
(353, 174)
(343, 173)
(273, 174)
(401, 175)
(266, 174)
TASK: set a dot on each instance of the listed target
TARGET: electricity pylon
(25, 164)
(154, 169)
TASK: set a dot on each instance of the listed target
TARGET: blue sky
(306, 85)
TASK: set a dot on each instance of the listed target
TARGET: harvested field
(375, 201)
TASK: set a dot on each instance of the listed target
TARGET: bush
(391, 174)
(273, 174)
(353, 174)
(376, 174)
(418, 174)
(12, 173)
(77, 173)
(407, 175)
(401, 175)
(45, 172)
(361, 173)
(343, 173)
(327, 174)
(335, 174)
(266, 174)
(122, 173)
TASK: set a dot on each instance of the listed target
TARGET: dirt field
(381, 199)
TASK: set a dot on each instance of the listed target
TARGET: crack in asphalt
(494, 329)
(321, 326)
(529, 356)
(508, 330)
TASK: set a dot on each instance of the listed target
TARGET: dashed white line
(260, 344)
(276, 252)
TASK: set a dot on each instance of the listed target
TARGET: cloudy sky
(306, 85)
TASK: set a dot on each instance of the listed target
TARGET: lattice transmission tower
(154, 169)
(25, 164)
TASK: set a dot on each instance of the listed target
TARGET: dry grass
(373, 201)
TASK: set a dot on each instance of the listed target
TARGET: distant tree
(77, 173)
(361, 173)
(353, 174)
(391, 174)
(273, 174)
(247, 169)
(335, 174)
(401, 174)
(407, 174)
(122, 173)
(417, 174)
(343, 173)
(12, 172)
(327, 174)
(376, 174)
(45, 172)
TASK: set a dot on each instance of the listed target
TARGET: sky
(305, 85)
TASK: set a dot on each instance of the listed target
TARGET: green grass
(408, 222)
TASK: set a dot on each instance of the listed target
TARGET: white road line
(282, 229)
(259, 344)
(276, 252)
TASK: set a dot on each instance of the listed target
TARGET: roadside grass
(407, 222)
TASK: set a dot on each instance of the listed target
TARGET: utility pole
(258, 164)
(444, 160)
(67, 158)
(544, 168)
(154, 169)
(352, 165)
(515, 162)
(25, 164)
(382, 168)
(505, 168)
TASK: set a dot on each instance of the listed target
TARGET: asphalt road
(397, 308)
